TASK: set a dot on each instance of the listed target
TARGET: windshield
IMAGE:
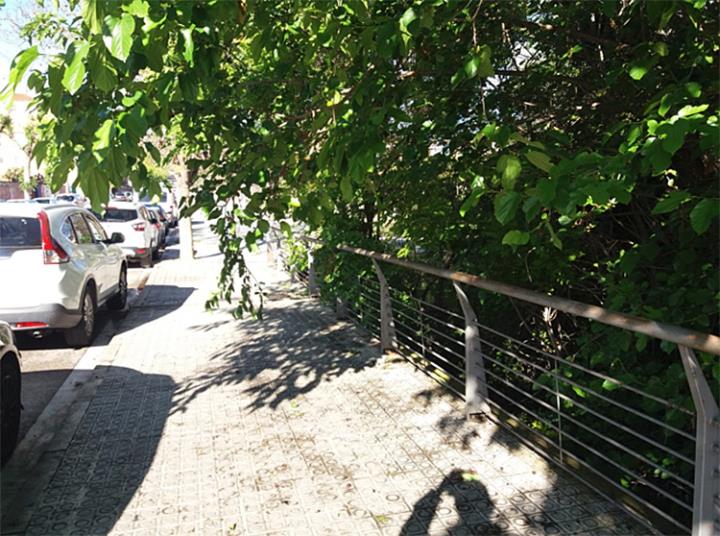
(120, 214)
(19, 232)
(162, 198)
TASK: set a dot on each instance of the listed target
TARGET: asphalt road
(46, 362)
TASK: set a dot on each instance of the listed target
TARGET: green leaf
(19, 66)
(91, 12)
(479, 63)
(516, 238)
(471, 201)
(138, 8)
(121, 31)
(103, 136)
(694, 89)
(637, 72)
(672, 201)
(610, 385)
(153, 151)
(688, 110)
(189, 50)
(702, 215)
(407, 17)
(506, 205)
(660, 48)
(346, 188)
(75, 72)
(539, 160)
(102, 73)
(509, 166)
(554, 240)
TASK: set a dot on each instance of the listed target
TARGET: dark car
(10, 386)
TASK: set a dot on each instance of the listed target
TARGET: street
(48, 361)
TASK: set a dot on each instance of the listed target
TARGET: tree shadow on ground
(94, 474)
(295, 347)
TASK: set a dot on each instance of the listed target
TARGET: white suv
(136, 225)
(57, 266)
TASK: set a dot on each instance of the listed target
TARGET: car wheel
(9, 407)
(118, 301)
(156, 254)
(82, 334)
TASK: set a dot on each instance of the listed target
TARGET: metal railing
(631, 445)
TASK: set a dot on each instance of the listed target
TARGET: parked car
(166, 200)
(75, 199)
(159, 225)
(57, 266)
(136, 224)
(10, 387)
(44, 200)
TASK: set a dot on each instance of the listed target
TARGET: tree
(569, 146)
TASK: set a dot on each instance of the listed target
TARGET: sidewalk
(202, 424)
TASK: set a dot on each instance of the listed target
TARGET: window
(97, 230)
(66, 230)
(17, 233)
(81, 229)
(120, 214)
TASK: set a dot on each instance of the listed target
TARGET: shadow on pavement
(164, 298)
(292, 350)
(519, 499)
(100, 469)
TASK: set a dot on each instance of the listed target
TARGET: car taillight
(52, 252)
(29, 325)
(139, 226)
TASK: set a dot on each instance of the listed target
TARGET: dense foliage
(567, 146)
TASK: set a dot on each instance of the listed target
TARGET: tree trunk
(187, 249)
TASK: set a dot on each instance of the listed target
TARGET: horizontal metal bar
(578, 423)
(629, 451)
(705, 342)
(428, 373)
(587, 370)
(419, 300)
(565, 434)
(599, 415)
(425, 326)
(451, 326)
(518, 404)
(442, 358)
(594, 393)
(574, 474)
(634, 495)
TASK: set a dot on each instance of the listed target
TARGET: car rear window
(18, 232)
(120, 214)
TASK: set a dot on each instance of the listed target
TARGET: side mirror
(116, 238)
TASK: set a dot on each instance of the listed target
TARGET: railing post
(340, 308)
(279, 263)
(269, 248)
(312, 277)
(387, 325)
(706, 501)
(476, 393)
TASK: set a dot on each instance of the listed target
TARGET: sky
(10, 42)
